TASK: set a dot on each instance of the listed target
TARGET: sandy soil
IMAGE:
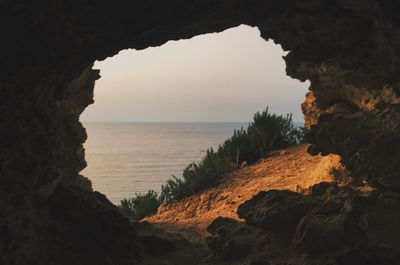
(293, 169)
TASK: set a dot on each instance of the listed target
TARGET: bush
(240, 147)
(270, 131)
(265, 133)
(197, 176)
(140, 206)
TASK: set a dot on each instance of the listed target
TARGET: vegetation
(197, 176)
(140, 206)
(265, 133)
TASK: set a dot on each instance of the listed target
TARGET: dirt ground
(293, 169)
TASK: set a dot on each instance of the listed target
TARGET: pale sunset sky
(219, 77)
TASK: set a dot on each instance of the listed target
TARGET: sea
(128, 158)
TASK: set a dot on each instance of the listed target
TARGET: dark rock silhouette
(277, 210)
(348, 49)
(348, 227)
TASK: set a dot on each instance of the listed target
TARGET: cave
(347, 49)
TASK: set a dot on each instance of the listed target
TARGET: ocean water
(128, 158)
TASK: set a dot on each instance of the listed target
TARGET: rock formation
(332, 225)
(348, 49)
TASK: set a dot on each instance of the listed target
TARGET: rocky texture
(230, 240)
(348, 49)
(277, 210)
(331, 226)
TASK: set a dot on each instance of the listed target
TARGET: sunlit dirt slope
(293, 169)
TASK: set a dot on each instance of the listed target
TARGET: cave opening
(157, 110)
(348, 50)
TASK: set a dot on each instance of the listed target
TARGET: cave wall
(348, 49)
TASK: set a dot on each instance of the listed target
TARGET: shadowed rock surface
(345, 227)
(276, 210)
(348, 49)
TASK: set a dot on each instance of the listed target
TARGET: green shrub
(239, 148)
(196, 176)
(265, 133)
(270, 131)
(140, 206)
(303, 134)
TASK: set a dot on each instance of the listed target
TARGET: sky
(218, 77)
